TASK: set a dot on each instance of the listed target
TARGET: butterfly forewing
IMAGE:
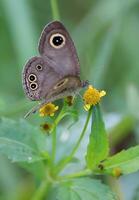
(64, 56)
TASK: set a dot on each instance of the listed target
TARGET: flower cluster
(92, 97)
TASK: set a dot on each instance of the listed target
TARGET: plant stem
(64, 162)
(55, 11)
(115, 186)
(85, 172)
(58, 119)
(41, 191)
(53, 145)
(78, 174)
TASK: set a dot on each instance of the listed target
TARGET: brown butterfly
(56, 72)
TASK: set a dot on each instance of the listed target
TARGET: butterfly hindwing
(38, 78)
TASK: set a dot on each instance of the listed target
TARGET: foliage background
(105, 33)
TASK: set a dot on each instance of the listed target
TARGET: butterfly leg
(80, 96)
(36, 108)
(33, 110)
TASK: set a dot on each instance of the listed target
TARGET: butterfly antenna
(33, 110)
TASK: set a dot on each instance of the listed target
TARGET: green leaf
(81, 189)
(17, 151)
(38, 169)
(127, 161)
(98, 147)
(21, 141)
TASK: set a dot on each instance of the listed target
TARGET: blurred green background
(106, 34)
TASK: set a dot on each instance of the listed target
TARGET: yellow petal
(87, 107)
(102, 93)
(48, 110)
(92, 96)
(56, 108)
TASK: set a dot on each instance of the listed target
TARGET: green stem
(85, 172)
(114, 185)
(64, 162)
(58, 119)
(53, 145)
(41, 191)
(55, 10)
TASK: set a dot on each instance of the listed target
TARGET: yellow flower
(48, 110)
(92, 96)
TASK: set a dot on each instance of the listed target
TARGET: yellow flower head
(48, 110)
(92, 96)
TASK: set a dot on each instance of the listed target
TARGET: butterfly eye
(39, 67)
(32, 77)
(33, 86)
(57, 40)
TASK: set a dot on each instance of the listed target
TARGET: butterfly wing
(56, 73)
(57, 46)
(38, 78)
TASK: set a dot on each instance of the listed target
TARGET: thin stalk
(64, 162)
(58, 119)
(85, 172)
(115, 186)
(55, 10)
(53, 145)
(41, 191)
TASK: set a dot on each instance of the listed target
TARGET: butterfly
(54, 74)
